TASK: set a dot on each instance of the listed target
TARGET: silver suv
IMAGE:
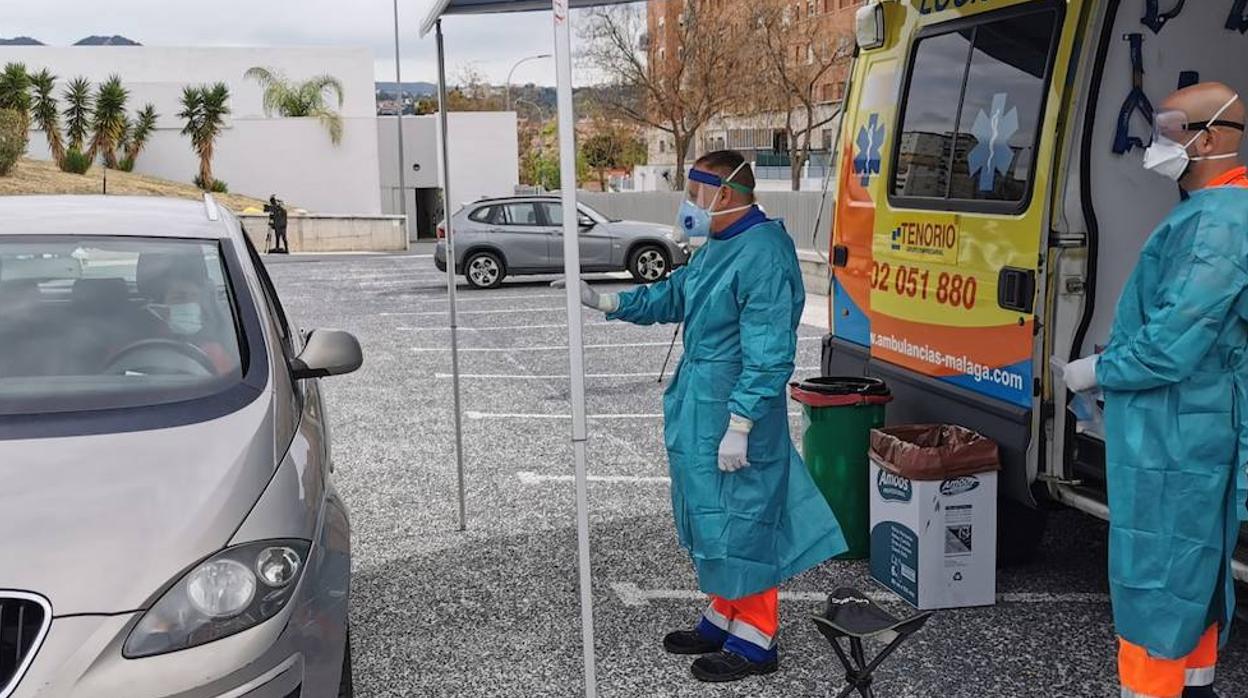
(171, 526)
(495, 238)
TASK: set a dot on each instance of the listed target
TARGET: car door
(595, 239)
(516, 229)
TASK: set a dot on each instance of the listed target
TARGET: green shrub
(75, 162)
(218, 187)
(126, 164)
(13, 139)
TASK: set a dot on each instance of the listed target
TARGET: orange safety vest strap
(1237, 177)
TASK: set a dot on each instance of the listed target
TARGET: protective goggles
(698, 177)
(1175, 124)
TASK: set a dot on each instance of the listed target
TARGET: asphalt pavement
(494, 610)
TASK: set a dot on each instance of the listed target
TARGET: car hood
(100, 523)
(640, 229)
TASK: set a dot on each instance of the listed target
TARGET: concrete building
(484, 154)
(758, 133)
(255, 155)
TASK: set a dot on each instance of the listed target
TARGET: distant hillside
(20, 41)
(416, 89)
(115, 40)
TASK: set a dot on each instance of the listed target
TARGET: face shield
(702, 192)
(1176, 126)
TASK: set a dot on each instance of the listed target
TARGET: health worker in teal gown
(745, 506)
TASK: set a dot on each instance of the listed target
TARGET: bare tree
(695, 79)
(795, 57)
(472, 92)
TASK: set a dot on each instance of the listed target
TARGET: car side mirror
(586, 224)
(327, 353)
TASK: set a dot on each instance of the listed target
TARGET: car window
(972, 111)
(272, 301)
(483, 214)
(554, 215)
(101, 322)
(524, 213)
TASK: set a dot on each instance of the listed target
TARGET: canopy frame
(572, 271)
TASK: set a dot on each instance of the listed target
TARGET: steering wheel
(200, 363)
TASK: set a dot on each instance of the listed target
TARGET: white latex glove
(732, 448)
(1080, 375)
(606, 302)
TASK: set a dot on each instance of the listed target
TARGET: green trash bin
(840, 414)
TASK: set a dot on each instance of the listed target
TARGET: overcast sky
(491, 43)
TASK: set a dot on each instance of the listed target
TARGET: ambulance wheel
(1020, 531)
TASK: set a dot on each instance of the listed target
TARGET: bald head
(1202, 103)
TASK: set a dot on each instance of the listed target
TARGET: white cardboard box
(934, 543)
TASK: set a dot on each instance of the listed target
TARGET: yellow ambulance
(991, 203)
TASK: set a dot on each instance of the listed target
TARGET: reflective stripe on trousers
(749, 624)
(1145, 676)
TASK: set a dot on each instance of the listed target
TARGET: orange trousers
(748, 624)
(1145, 676)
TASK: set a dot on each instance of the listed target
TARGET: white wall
(256, 155)
(484, 153)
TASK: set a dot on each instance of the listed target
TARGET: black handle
(1016, 289)
(840, 256)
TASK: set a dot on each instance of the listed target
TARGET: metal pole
(576, 347)
(450, 271)
(398, 78)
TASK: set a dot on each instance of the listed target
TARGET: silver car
(170, 524)
(495, 238)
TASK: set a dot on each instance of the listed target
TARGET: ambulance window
(996, 99)
(931, 111)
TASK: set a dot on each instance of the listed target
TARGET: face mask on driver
(695, 220)
(186, 318)
(1169, 158)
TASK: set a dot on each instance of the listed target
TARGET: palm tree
(79, 103)
(301, 99)
(47, 114)
(139, 133)
(109, 120)
(204, 109)
(15, 90)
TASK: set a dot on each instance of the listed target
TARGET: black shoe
(1199, 692)
(690, 642)
(722, 667)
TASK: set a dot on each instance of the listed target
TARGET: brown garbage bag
(933, 451)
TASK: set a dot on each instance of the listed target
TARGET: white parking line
(564, 376)
(631, 595)
(517, 327)
(473, 414)
(527, 478)
(628, 345)
(462, 297)
(509, 350)
(504, 311)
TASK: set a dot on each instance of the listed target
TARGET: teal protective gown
(741, 301)
(1175, 376)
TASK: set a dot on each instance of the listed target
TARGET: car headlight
(236, 589)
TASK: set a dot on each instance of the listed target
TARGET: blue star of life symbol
(870, 140)
(992, 153)
(896, 242)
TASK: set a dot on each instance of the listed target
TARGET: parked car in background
(497, 238)
(172, 529)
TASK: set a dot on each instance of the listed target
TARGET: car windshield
(99, 323)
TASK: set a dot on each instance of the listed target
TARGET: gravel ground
(494, 611)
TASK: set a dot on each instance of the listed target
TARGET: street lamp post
(513, 70)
